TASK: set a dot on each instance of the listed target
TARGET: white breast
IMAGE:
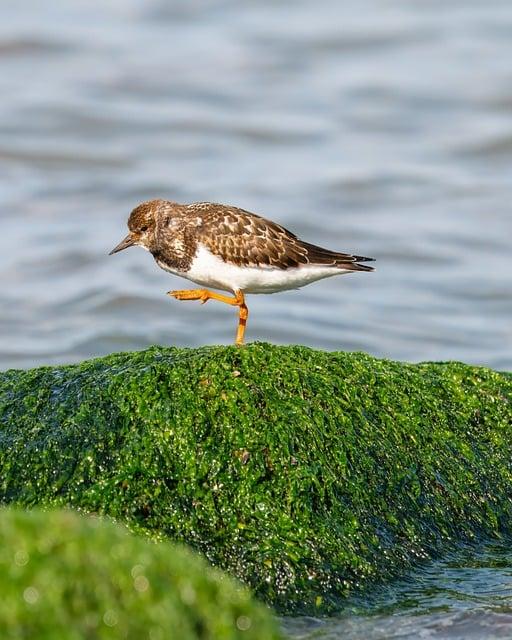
(209, 270)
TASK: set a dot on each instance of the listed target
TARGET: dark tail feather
(354, 266)
(361, 267)
(319, 255)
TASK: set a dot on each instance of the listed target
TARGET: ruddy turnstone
(230, 249)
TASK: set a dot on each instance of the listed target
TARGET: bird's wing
(247, 239)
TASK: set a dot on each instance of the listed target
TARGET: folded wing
(247, 239)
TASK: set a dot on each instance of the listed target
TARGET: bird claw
(202, 296)
(179, 295)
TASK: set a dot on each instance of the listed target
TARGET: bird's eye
(144, 228)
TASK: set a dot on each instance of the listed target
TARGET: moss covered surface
(70, 577)
(306, 474)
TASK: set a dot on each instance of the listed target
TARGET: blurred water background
(382, 127)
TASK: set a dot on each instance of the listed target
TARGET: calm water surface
(382, 127)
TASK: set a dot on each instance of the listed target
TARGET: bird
(227, 248)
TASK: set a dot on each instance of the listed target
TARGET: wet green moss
(72, 577)
(309, 475)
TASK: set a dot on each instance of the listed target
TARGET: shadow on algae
(311, 476)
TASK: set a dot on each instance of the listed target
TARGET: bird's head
(142, 226)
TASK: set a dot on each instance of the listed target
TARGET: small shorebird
(230, 249)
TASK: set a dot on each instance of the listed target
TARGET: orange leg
(204, 295)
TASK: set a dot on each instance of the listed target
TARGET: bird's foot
(191, 294)
(238, 300)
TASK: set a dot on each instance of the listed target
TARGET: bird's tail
(347, 261)
(361, 267)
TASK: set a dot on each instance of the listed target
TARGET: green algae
(308, 475)
(72, 577)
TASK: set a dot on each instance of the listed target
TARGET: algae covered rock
(309, 475)
(72, 577)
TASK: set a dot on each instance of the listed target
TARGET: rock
(69, 576)
(308, 475)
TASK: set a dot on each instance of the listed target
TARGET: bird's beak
(124, 244)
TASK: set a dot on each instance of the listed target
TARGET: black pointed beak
(124, 244)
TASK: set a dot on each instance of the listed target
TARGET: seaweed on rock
(72, 577)
(308, 475)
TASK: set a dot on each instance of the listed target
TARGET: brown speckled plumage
(230, 249)
(234, 235)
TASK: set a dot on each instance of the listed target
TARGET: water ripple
(384, 133)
